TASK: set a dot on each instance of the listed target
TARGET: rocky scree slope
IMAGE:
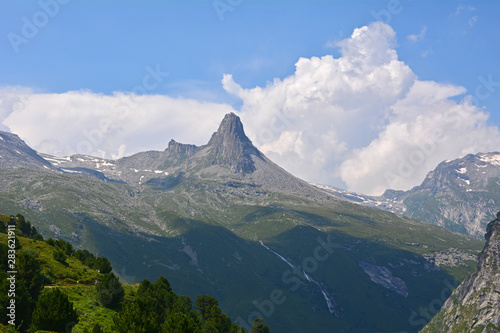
(475, 305)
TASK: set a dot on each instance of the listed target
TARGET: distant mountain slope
(475, 305)
(459, 195)
(222, 219)
(14, 153)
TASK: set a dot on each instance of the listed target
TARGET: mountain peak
(231, 147)
(231, 129)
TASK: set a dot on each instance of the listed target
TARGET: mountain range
(222, 219)
(460, 195)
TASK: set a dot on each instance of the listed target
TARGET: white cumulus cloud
(363, 120)
(309, 121)
(420, 36)
(427, 128)
(107, 126)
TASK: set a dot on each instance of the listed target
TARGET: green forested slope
(47, 272)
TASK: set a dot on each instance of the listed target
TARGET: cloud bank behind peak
(363, 121)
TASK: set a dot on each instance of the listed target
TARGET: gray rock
(181, 149)
(230, 147)
(452, 257)
(383, 276)
(475, 304)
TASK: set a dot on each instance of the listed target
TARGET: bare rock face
(181, 148)
(230, 147)
(461, 195)
(475, 305)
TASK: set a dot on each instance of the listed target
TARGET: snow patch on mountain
(493, 158)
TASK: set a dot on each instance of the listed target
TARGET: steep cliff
(475, 305)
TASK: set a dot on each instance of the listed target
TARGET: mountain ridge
(16, 153)
(229, 155)
(459, 195)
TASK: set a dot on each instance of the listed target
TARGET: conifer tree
(110, 291)
(180, 323)
(102, 264)
(54, 312)
(259, 327)
(30, 273)
(138, 316)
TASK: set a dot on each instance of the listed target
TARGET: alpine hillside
(222, 219)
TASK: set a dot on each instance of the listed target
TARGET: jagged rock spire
(230, 131)
(231, 147)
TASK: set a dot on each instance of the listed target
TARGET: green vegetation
(156, 308)
(81, 294)
(54, 312)
(59, 256)
(259, 326)
(110, 291)
(210, 232)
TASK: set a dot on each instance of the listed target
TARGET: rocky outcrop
(181, 149)
(452, 257)
(475, 305)
(383, 276)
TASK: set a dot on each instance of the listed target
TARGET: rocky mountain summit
(459, 195)
(475, 305)
(181, 149)
(230, 147)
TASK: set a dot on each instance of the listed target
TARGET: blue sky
(106, 47)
